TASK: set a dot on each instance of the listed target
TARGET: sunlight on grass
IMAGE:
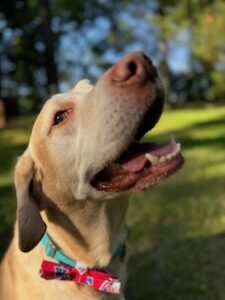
(14, 139)
(177, 237)
(181, 119)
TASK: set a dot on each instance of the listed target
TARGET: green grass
(13, 141)
(177, 229)
(177, 237)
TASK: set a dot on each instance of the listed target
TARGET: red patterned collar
(66, 268)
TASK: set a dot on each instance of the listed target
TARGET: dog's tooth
(162, 159)
(174, 153)
(152, 158)
(178, 147)
(169, 156)
(172, 139)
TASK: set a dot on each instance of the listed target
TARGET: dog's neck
(89, 231)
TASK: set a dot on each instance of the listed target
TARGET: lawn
(177, 230)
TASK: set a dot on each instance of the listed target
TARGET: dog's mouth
(140, 166)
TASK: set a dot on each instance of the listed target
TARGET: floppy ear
(30, 224)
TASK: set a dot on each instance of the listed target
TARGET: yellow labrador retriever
(72, 182)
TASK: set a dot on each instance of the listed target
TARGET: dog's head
(84, 143)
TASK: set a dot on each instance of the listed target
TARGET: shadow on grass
(187, 269)
(10, 149)
(9, 154)
(216, 140)
(174, 266)
(7, 215)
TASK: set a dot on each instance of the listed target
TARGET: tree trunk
(50, 46)
(2, 114)
(164, 67)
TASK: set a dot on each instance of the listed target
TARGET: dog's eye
(60, 117)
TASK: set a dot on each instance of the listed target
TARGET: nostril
(132, 67)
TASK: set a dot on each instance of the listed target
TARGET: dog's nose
(134, 65)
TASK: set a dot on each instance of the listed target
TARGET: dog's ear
(30, 224)
(83, 86)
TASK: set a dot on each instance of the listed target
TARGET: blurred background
(177, 230)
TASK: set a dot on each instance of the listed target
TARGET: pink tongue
(135, 164)
(136, 160)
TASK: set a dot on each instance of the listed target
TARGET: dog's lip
(140, 167)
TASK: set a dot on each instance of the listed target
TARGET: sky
(76, 60)
(75, 49)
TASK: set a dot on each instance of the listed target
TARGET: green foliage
(208, 45)
(205, 23)
(177, 239)
(37, 59)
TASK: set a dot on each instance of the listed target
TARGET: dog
(73, 181)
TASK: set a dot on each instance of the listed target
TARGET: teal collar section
(51, 250)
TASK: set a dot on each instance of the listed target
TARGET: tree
(204, 24)
(37, 28)
(46, 42)
(30, 48)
